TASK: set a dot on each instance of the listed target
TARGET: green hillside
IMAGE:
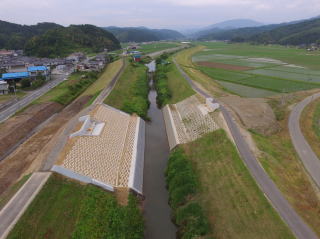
(15, 36)
(294, 33)
(62, 41)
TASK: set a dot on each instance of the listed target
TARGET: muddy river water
(157, 212)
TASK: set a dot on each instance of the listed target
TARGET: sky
(175, 14)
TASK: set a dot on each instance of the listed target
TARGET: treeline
(53, 40)
(183, 184)
(297, 33)
(161, 80)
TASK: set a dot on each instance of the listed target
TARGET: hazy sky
(154, 13)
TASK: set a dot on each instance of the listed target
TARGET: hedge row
(182, 184)
(161, 82)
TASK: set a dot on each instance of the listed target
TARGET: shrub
(25, 83)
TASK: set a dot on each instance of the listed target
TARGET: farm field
(273, 68)
(232, 202)
(67, 209)
(159, 46)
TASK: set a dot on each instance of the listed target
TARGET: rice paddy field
(259, 71)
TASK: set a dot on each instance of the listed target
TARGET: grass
(310, 125)
(10, 192)
(70, 89)
(232, 202)
(130, 93)
(67, 209)
(179, 87)
(279, 159)
(171, 86)
(154, 47)
(105, 78)
(4, 98)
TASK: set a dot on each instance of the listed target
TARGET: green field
(67, 209)
(274, 68)
(224, 189)
(153, 47)
(130, 93)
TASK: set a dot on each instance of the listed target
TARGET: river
(157, 212)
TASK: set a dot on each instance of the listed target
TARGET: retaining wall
(137, 162)
(170, 127)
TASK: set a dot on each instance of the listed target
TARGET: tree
(25, 83)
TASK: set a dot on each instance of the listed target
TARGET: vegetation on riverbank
(130, 93)
(228, 195)
(67, 209)
(170, 85)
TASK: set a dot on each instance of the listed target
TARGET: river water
(157, 212)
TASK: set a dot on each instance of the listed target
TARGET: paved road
(282, 206)
(309, 159)
(14, 209)
(5, 114)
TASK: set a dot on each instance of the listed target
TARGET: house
(4, 87)
(38, 70)
(137, 57)
(76, 57)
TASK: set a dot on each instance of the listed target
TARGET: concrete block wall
(137, 162)
(170, 127)
(70, 174)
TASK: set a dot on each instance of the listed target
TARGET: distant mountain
(51, 40)
(62, 41)
(224, 26)
(292, 33)
(143, 34)
(15, 36)
(305, 32)
(234, 24)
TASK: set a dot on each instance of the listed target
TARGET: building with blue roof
(15, 75)
(37, 68)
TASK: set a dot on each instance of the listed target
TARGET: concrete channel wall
(170, 127)
(70, 174)
(137, 162)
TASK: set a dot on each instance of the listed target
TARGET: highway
(300, 229)
(8, 112)
(309, 159)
